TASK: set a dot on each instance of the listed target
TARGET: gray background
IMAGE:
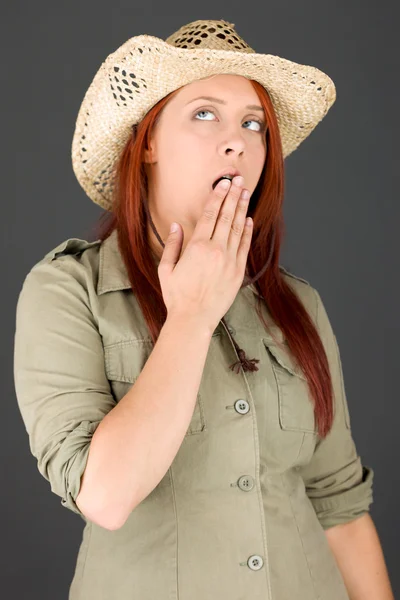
(341, 210)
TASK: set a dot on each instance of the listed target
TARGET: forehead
(225, 86)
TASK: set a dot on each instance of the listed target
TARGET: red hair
(128, 216)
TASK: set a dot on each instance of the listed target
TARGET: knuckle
(200, 246)
(210, 213)
(225, 216)
(217, 252)
(236, 228)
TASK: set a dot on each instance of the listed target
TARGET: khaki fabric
(242, 510)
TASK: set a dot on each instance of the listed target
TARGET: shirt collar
(113, 275)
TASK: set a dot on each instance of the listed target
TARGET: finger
(172, 249)
(206, 224)
(227, 212)
(244, 245)
(238, 222)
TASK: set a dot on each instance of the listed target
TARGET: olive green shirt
(241, 512)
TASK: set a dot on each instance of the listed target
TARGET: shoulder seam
(317, 302)
(284, 270)
(70, 246)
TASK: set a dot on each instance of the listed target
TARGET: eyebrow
(212, 99)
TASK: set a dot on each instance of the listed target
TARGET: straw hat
(145, 69)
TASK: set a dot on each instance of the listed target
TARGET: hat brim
(146, 68)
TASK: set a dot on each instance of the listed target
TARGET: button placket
(246, 482)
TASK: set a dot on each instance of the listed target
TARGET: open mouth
(230, 177)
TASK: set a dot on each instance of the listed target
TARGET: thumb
(172, 247)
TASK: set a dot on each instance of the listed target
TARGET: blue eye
(261, 123)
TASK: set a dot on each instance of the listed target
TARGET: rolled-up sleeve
(59, 374)
(338, 485)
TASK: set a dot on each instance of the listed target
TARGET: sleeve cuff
(69, 463)
(347, 505)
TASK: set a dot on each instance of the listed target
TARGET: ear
(150, 154)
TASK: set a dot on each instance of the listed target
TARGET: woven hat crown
(213, 35)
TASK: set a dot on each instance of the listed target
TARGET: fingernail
(174, 227)
(224, 184)
(238, 180)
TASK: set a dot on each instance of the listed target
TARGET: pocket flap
(283, 357)
(296, 406)
(124, 361)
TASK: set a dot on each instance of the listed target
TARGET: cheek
(186, 196)
(258, 159)
(184, 153)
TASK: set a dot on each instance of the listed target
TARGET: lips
(228, 173)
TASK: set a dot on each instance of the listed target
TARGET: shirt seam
(302, 544)
(177, 531)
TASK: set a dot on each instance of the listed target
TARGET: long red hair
(128, 216)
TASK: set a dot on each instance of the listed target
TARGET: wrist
(192, 323)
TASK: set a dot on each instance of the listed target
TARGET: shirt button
(255, 562)
(246, 483)
(242, 406)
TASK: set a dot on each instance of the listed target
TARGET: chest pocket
(296, 407)
(124, 362)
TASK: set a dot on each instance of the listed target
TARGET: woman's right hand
(204, 281)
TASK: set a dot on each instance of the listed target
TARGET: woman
(182, 391)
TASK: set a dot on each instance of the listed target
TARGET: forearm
(360, 558)
(136, 442)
